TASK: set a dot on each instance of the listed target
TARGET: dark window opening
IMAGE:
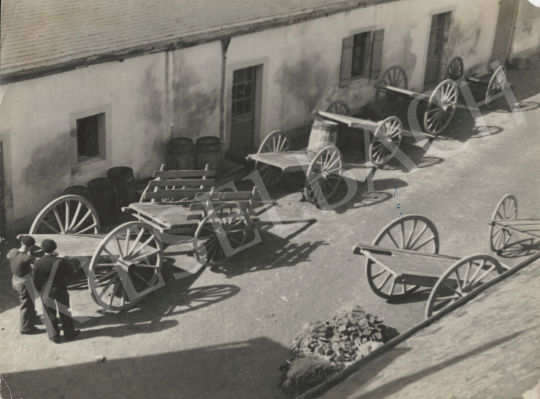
(243, 92)
(88, 137)
(360, 53)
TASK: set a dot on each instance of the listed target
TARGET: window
(91, 137)
(360, 42)
(361, 56)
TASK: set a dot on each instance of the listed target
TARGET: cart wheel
(455, 69)
(69, 214)
(126, 266)
(412, 232)
(506, 209)
(460, 279)
(339, 108)
(441, 107)
(497, 84)
(274, 142)
(323, 176)
(380, 154)
(389, 103)
(228, 222)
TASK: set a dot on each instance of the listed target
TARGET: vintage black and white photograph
(270, 199)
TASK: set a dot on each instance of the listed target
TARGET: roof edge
(185, 42)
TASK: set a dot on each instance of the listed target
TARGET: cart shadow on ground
(521, 248)
(277, 252)
(176, 297)
(235, 370)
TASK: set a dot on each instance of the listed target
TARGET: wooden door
(243, 110)
(435, 47)
(503, 32)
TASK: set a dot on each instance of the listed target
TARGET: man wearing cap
(56, 287)
(20, 261)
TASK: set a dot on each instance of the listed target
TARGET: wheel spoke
(82, 220)
(60, 224)
(424, 243)
(142, 279)
(87, 228)
(384, 281)
(79, 206)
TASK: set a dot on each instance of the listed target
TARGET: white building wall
(152, 98)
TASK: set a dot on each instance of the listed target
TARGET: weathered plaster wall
(526, 37)
(178, 93)
(36, 114)
(304, 59)
(196, 88)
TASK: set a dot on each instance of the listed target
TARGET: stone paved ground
(223, 333)
(489, 348)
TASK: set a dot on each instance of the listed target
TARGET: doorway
(243, 110)
(435, 49)
(503, 32)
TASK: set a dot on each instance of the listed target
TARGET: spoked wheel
(221, 233)
(460, 279)
(454, 71)
(441, 107)
(389, 103)
(126, 266)
(339, 108)
(497, 84)
(412, 232)
(69, 214)
(506, 209)
(274, 142)
(323, 176)
(390, 128)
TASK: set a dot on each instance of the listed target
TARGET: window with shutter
(89, 136)
(377, 53)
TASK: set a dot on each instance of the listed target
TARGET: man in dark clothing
(54, 291)
(20, 261)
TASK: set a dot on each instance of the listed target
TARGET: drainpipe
(224, 46)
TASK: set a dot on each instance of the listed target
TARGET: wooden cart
(324, 171)
(125, 264)
(439, 106)
(504, 223)
(405, 256)
(495, 83)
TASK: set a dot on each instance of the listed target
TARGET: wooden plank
(350, 121)
(289, 161)
(179, 174)
(227, 196)
(176, 194)
(71, 245)
(182, 183)
(391, 251)
(167, 215)
(418, 265)
(413, 279)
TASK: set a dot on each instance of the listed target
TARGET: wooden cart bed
(289, 161)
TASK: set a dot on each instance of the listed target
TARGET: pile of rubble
(321, 349)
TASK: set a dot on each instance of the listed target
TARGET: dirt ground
(223, 333)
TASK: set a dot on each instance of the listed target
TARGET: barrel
(181, 154)
(323, 133)
(209, 152)
(105, 199)
(124, 180)
(81, 191)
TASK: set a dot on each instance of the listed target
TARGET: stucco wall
(177, 93)
(526, 37)
(37, 113)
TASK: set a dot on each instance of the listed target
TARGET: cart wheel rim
(506, 209)
(390, 128)
(441, 107)
(461, 279)
(413, 232)
(497, 84)
(454, 71)
(69, 214)
(386, 102)
(221, 234)
(275, 142)
(323, 176)
(339, 108)
(126, 266)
